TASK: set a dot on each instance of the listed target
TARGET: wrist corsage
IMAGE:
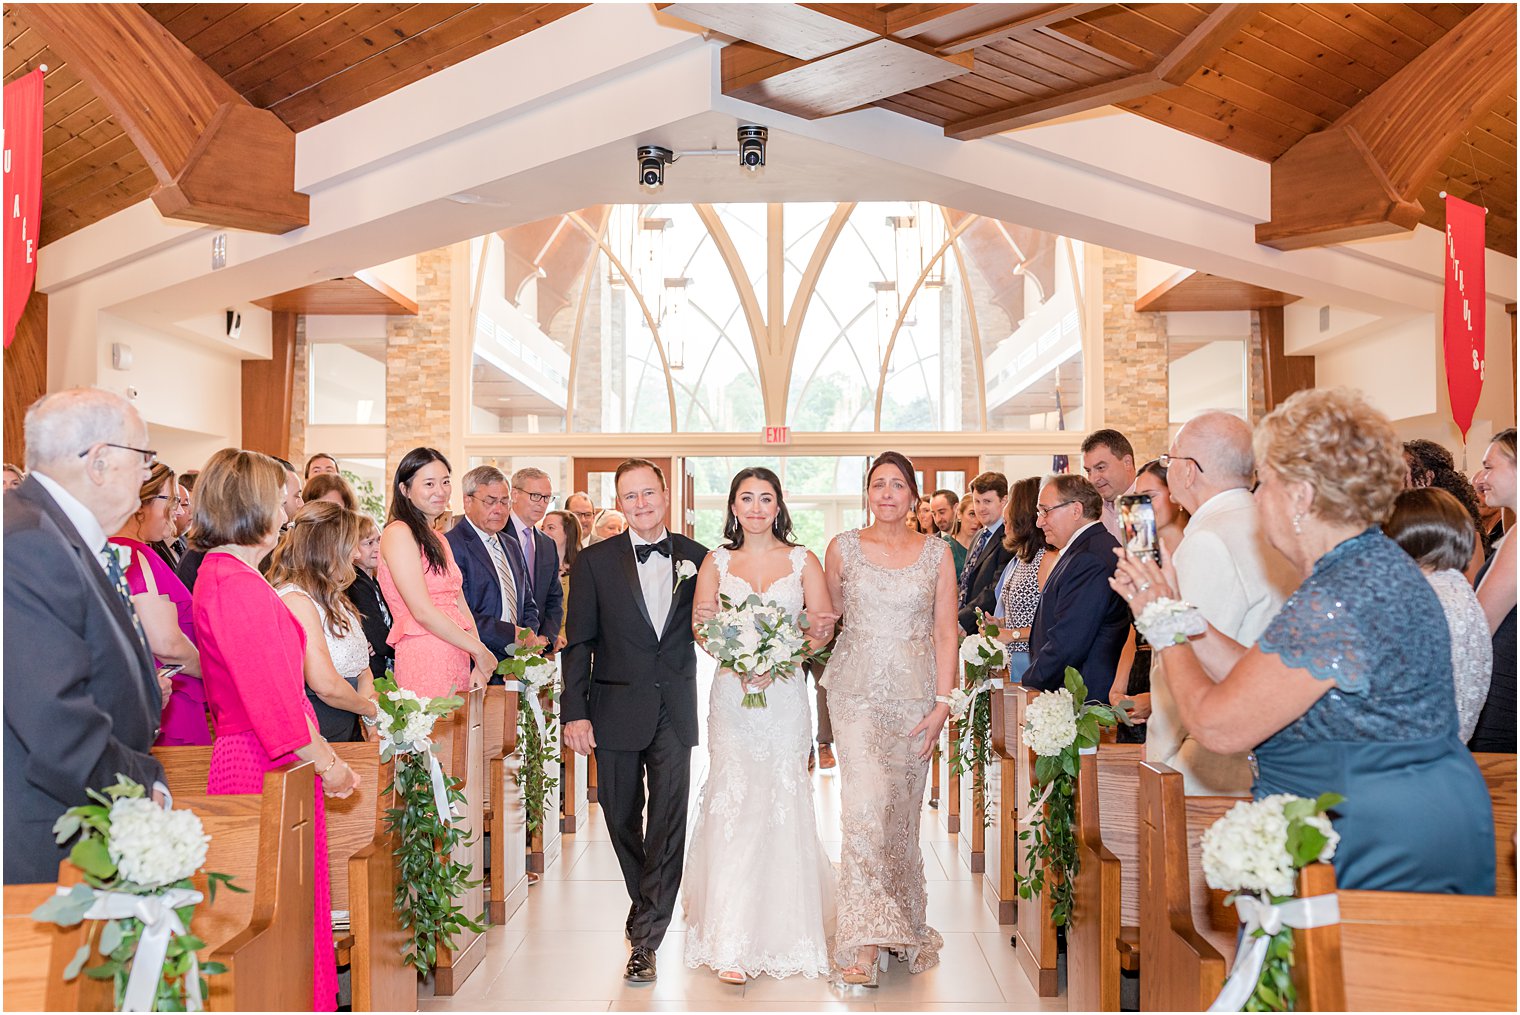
(1168, 622)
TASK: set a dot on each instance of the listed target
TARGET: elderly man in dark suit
(534, 555)
(82, 701)
(1081, 622)
(492, 586)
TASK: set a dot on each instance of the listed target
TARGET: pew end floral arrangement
(1059, 727)
(537, 742)
(137, 860)
(753, 637)
(430, 879)
(1255, 852)
(982, 655)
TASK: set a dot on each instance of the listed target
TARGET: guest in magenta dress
(163, 605)
(432, 629)
(252, 652)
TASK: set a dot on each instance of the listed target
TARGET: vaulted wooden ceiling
(305, 62)
(1256, 78)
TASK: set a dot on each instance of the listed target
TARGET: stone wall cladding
(1135, 383)
(298, 396)
(418, 401)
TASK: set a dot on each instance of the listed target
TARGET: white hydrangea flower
(538, 672)
(153, 847)
(960, 701)
(1050, 723)
(1246, 850)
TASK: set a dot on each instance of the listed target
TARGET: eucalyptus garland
(532, 776)
(1060, 725)
(982, 653)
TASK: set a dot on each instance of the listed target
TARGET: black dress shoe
(640, 965)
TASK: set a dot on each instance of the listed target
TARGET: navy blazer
(546, 610)
(81, 700)
(982, 588)
(482, 589)
(1081, 621)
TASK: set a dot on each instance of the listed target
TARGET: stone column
(299, 396)
(1258, 372)
(1135, 383)
(418, 394)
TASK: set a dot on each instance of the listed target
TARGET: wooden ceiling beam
(1018, 18)
(362, 293)
(1362, 176)
(217, 159)
(1173, 70)
(840, 81)
(1189, 290)
(802, 31)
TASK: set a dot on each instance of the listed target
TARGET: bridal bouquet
(1059, 726)
(1254, 852)
(536, 744)
(754, 637)
(137, 859)
(427, 832)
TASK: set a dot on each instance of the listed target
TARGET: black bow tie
(645, 549)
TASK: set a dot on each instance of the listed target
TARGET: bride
(759, 889)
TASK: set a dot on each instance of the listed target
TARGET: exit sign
(778, 435)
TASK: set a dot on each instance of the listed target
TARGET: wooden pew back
(1037, 948)
(461, 750)
(505, 819)
(266, 842)
(1499, 772)
(1396, 951)
(1104, 897)
(1118, 777)
(28, 948)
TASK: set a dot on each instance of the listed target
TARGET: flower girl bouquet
(753, 637)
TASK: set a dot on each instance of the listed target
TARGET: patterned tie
(504, 576)
(971, 562)
(119, 580)
(528, 553)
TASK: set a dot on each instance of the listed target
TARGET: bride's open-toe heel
(733, 976)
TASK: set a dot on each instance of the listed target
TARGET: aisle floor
(564, 949)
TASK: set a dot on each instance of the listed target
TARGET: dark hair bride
(781, 528)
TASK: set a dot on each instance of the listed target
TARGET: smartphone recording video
(1137, 520)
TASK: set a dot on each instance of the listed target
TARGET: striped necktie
(971, 561)
(119, 580)
(504, 576)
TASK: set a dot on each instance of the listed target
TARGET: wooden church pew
(1103, 936)
(505, 821)
(952, 785)
(1035, 932)
(1400, 951)
(1187, 933)
(573, 805)
(544, 843)
(28, 948)
(998, 888)
(460, 739)
(1499, 772)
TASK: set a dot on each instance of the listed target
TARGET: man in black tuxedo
(534, 556)
(630, 669)
(492, 584)
(1081, 621)
(988, 557)
(82, 702)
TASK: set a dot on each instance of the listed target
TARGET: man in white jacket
(1225, 567)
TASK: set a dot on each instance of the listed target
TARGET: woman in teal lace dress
(1350, 689)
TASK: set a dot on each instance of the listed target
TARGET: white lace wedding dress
(759, 888)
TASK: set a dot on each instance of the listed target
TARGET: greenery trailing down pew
(427, 833)
(1060, 725)
(537, 743)
(983, 654)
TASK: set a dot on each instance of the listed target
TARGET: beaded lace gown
(758, 886)
(880, 681)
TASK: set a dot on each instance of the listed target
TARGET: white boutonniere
(684, 569)
(123, 555)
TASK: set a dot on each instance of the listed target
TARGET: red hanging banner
(23, 193)
(1463, 315)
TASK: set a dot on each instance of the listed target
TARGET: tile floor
(564, 949)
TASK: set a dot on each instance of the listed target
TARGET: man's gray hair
(1222, 441)
(61, 425)
(528, 472)
(481, 475)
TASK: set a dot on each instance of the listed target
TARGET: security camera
(652, 162)
(752, 147)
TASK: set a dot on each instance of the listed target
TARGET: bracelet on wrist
(323, 774)
(942, 699)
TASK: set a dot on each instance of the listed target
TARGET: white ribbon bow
(524, 690)
(160, 922)
(446, 812)
(981, 688)
(1259, 914)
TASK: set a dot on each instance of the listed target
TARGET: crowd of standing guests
(1359, 596)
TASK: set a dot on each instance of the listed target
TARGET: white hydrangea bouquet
(753, 637)
(1059, 726)
(423, 820)
(1255, 852)
(535, 677)
(981, 655)
(137, 860)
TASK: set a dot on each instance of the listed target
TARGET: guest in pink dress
(252, 654)
(163, 605)
(432, 629)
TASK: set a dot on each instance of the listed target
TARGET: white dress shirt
(504, 580)
(84, 521)
(657, 578)
(1238, 581)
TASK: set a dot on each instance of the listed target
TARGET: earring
(1298, 529)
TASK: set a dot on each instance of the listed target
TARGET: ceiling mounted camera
(652, 162)
(752, 147)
